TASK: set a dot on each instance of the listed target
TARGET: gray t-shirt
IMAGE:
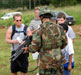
(35, 24)
(71, 33)
(17, 36)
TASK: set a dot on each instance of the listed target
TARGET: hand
(25, 49)
(79, 33)
(69, 67)
(29, 33)
(32, 32)
(22, 42)
(15, 41)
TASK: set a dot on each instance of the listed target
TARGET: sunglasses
(18, 20)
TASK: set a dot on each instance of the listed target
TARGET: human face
(18, 21)
(37, 14)
(60, 20)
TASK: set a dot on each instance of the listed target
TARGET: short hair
(61, 15)
(37, 8)
(17, 15)
(48, 15)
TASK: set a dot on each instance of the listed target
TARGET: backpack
(15, 31)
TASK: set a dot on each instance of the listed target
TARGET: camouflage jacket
(50, 50)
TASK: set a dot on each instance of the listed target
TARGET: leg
(71, 73)
(66, 72)
(37, 65)
(14, 67)
(14, 73)
(23, 73)
(24, 64)
(44, 72)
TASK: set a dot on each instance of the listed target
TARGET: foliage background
(28, 15)
(25, 3)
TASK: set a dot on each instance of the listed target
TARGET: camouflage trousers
(59, 71)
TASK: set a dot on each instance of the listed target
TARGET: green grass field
(5, 55)
(5, 52)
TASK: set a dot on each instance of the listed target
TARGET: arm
(29, 32)
(71, 33)
(73, 40)
(70, 61)
(31, 27)
(8, 37)
(36, 43)
(71, 52)
(79, 33)
(33, 31)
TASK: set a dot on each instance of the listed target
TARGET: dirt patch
(1, 65)
(76, 28)
(1, 27)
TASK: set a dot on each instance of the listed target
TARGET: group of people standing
(43, 30)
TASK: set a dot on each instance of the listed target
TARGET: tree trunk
(22, 3)
(30, 4)
(39, 2)
(34, 3)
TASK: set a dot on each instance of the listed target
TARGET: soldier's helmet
(45, 12)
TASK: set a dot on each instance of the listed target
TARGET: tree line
(30, 4)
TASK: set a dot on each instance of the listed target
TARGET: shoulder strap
(13, 31)
(25, 29)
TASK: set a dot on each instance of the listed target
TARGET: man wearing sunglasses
(15, 35)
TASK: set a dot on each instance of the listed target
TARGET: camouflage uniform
(48, 40)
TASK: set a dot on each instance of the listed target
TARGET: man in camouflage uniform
(48, 40)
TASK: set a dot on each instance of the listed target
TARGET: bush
(27, 17)
(7, 22)
(58, 3)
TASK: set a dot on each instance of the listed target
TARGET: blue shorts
(66, 71)
(66, 65)
(20, 64)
